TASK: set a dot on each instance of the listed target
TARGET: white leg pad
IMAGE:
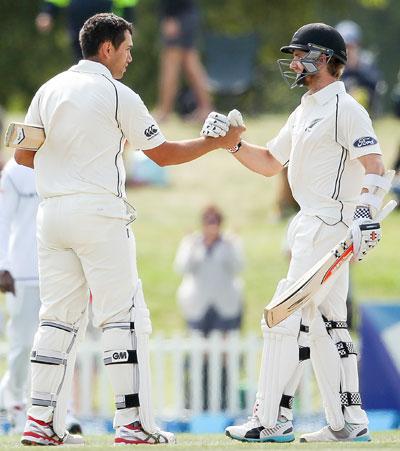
(280, 359)
(126, 356)
(53, 361)
(353, 413)
(334, 362)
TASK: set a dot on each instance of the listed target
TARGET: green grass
(165, 215)
(381, 440)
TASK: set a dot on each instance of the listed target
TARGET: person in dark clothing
(180, 25)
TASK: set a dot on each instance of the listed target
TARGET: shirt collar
(91, 67)
(325, 94)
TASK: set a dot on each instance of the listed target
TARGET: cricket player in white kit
(337, 176)
(84, 235)
(19, 280)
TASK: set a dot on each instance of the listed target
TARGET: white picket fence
(178, 359)
(175, 361)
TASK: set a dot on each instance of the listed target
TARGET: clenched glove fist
(366, 233)
(235, 118)
(215, 125)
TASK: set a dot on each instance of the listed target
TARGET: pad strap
(287, 401)
(350, 399)
(304, 353)
(44, 399)
(335, 324)
(304, 328)
(121, 325)
(117, 357)
(346, 348)
(127, 401)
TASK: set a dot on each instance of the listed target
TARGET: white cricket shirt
(88, 117)
(320, 143)
(18, 207)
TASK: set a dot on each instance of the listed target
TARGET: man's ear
(105, 49)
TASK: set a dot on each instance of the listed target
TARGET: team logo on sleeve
(365, 141)
(151, 131)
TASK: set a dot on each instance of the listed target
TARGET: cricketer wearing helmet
(337, 177)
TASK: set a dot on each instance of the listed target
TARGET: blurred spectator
(19, 280)
(180, 22)
(78, 11)
(361, 76)
(211, 294)
(142, 171)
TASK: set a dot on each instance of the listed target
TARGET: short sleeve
(355, 131)
(33, 114)
(137, 124)
(280, 146)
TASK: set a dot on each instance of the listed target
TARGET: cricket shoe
(40, 433)
(350, 433)
(254, 431)
(134, 434)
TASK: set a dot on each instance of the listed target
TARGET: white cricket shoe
(350, 433)
(254, 431)
(40, 433)
(134, 434)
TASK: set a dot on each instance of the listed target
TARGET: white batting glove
(235, 118)
(366, 233)
(215, 125)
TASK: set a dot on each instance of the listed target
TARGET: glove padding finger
(235, 118)
(218, 119)
(215, 125)
(366, 235)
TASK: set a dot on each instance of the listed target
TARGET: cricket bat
(26, 136)
(297, 295)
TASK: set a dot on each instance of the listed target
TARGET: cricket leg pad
(53, 360)
(126, 356)
(280, 359)
(334, 362)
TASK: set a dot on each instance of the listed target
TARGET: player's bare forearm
(25, 157)
(258, 159)
(373, 163)
(178, 152)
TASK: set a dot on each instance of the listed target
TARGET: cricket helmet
(315, 39)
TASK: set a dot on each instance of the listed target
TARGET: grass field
(248, 201)
(381, 440)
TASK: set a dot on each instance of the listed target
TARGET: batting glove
(235, 118)
(215, 125)
(365, 232)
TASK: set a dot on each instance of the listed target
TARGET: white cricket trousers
(84, 242)
(23, 310)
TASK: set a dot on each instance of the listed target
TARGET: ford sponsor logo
(365, 141)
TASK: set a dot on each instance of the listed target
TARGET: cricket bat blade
(25, 136)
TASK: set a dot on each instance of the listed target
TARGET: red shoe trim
(45, 437)
(133, 428)
(40, 422)
(133, 442)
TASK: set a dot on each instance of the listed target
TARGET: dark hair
(211, 214)
(101, 28)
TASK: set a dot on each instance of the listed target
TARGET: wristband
(236, 148)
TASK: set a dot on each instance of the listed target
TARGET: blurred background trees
(29, 58)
